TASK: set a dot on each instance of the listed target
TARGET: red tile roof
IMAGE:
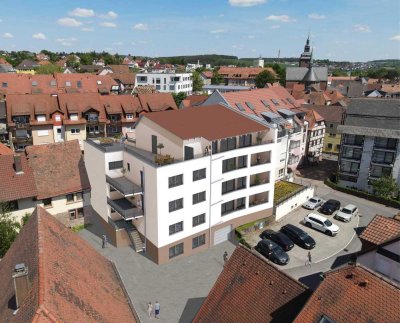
(329, 113)
(120, 103)
(353, 294)
(207, 74)
(4, 150)
(90, 83)
(243, 72)
(69, 280)
(380, 230)
(251, 290)
(312, 117)
(154, 102)
(58, 168)
(15, 186)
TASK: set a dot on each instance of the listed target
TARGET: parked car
(272, 251)
(298, 236)
(347, 213)
(278, 237)
(321, 223)
(330, 207)
(313, 203)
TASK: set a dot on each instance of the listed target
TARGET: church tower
(305, 57)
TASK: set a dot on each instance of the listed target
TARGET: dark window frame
(176, 250)
(199, 241)
(175, 181)
(175, 205)
(199, 174)
(115, 165)
(175, 228)
(199, 197)
(198, 220)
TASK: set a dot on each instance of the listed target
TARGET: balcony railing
(353, 143)
(125, 208)
(352, 157)
(385, 147)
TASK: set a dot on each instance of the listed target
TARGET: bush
(364, 195)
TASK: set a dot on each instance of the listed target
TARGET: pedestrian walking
(225, 256)
(309, 259)
(149, 309)
(104, 242)
(157, 310)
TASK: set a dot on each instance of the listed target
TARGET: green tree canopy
(386, 187)
(217, 78)
(197, 81)
(179, 97)
(48, 69)
(9, 229)
(263, 78)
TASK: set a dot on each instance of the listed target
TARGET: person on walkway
(309, 259)
(225, 256)
(104, 242)
(149, 309)
(157, 310)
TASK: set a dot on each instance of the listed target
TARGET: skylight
(250, 105)
(240, 107)
(266, 104)
(276, 102)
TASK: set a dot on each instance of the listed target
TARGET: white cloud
(362, 28)
(218, 31)
(275, 27)
(246, 3)
(281, 18)
(39, 36)
(8, 35)
(141, 26)
(251, 36)
(109, 15)
(87, 29)
(108, 24)
(316, 16)
(69, 22)
(221, 15)
(82, 12)
(396, 38)
(66, 41)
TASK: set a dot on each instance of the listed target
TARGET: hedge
(364, 195)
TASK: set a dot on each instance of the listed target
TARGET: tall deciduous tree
(386, 187)
(9, 229)
(48, 69)
(179, 98)
(263, 78)
(197, 81)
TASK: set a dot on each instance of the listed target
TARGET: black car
(272, 251)
(278, 237)
(330, 207)
(298, 236)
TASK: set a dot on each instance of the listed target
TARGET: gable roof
(243, 72)
(69, 280)
(58, 168)
(115, 104)
(380, 230)
(251, 290)
(329, 113)
(352, 294)
(298, 73)
(194, 100)
(152, 102)
(4, 150)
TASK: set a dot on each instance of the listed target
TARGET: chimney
(21, 283)
(18, 164)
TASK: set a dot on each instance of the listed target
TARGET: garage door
(222, 235)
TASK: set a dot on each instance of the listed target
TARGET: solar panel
(250, 105)
(240, 107)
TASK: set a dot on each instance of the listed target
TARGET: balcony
(125, 208)
(95, 134)
(354, 157)
(259, 179)
(124, 186)
(385, 147)
(258, 199)
(261, 158)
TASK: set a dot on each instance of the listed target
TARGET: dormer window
(73, 116)
(129, 116)
(276, 102)
(53, 83)
(57, 117)
(40, 117)
(68, 83)
(5, 84)
(92, 117)
(34, 83)
(79, 84)
(98, 82)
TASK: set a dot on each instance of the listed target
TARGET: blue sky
(355, 30)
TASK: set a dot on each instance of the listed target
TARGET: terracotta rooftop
(380, 230)
(154, 102)
(251, 290)
(4, 150)
(352, 294)
(58, 168)
(194, 100)
(329, 113)
(115, 104)
(243, 72)
(211, 122)
(69, 280)
(312, 117)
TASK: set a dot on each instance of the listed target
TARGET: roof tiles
(380, 230)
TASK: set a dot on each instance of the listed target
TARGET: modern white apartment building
(167, 82)
(191, 178)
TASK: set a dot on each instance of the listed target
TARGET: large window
(228, 165)
(47, 202)
(199, 174)
(199, 197)
(354, 140)
(175, 180)
(389, 143)
(228, 144)
(175, 228)
(115, 165)
(175, 205)
(242, 162)
(198, 241)
(349, 167)
(352, 153)
(228, 186)
(241, 183)
(227, 207)
(241, 203)
(245, 141)
(199, 219)
(382, 157)
(379, 171)
(176, 250)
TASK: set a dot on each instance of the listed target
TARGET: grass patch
(283, 189)
(80, 227)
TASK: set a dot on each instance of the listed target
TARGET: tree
(280, 71)
(179, 98)
(48, 69)
(386, 187)
(216, 78)
(197, 81)
(9, 229)
(263, 78)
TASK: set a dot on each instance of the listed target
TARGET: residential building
(52, 176)
(50, 274)
(352, 293)
(370, 143)
(209, 89)
(27, 66)
(313, 95)
(193, 101)
(167, 82)
(243, 76)
(272, 106)
(155, 102)
(258, 62)
(250, 289)
(206, 77)
(3, 123)
(186, 183)
(122, 75)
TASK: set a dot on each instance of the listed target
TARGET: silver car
(313, 203)
(346, 213)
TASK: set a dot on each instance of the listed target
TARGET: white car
(313, 203)
(321, 223)
(346, 213)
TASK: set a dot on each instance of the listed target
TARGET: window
(349, 167)
(245, 141)
(276, 102)
(250, 105)
(80, 213)
(241, 203)
(34, 83)
(199, 219)
(227, 207)
(58, 117)
(241, 183)
(228, 165)
(72, 214)
(67, 83)
(382, 157)
(266, 104)
(79, 84)
(199, 197)
(281, 172)
(53, 83)
(198, 241)
(389, 143)
(79, 196)
(175, 181)
(70, 198)
(128, 166)
(5, 84)
(42, 133)
(379, 171)
(115, 165)
(47, 202)
(142, 78)
(228, 186)
(228, 144)
(73, 116)
(175, 228)
(330, 146)
(40, 117)
(215, 147)
(242, 162)
(332, 135)
(176, 250)
(199, 174)
(129, 116)
(75, 131)
(175, 205)
(240, 107)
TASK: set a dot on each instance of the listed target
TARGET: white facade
(167, 82)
